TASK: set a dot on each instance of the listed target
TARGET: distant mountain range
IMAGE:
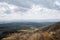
(23, 25)
(38, 21)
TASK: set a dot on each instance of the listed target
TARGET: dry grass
(37, 35)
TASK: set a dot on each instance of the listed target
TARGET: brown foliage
(37, 35)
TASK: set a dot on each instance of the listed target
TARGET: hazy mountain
(22, 25)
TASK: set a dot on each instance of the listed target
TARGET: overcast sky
(29, 9)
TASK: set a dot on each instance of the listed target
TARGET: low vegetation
(36, 35)
(39, 34)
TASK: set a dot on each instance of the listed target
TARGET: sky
(12, 10)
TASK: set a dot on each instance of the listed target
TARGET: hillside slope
(51, 32)
(52, 27)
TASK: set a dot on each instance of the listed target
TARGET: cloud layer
(26, 4)
(29, 10)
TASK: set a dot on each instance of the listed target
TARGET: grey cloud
(25, 5)
(46, 3)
